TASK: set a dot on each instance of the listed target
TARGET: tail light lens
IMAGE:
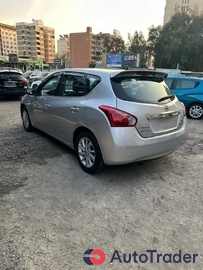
(184, 109)
(118, 118)
(24, 81)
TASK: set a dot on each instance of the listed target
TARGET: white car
(36, 83)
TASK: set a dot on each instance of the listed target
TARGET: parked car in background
(36, 83)
(12, 83)
(107, 116)
(37, 76)
(11, 68)
(188, 90)
(27, 74)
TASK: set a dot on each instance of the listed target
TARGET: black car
(12, 83)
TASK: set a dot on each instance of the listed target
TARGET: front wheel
(26, 120)
(195, 111)
(89, 153)
(34, 86)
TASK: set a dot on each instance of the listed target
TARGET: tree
(65, 59)
(138, 45)
(153, 35)
(195, 44)
(180, 43)
(114, 43)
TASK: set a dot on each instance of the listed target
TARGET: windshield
(11, 76)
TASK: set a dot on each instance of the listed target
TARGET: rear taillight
(25, 81)
(184, 109)
(118, 118)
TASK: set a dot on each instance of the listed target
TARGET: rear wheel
(89, 153)
(195, 111)
(26, 120)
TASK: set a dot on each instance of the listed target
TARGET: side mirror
(30, 91)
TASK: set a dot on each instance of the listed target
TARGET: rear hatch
(145, 95)
(12, 80)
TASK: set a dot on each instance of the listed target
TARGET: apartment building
(35, 41)
(82, 48)
(100, 50)
(8, 40)
(63, 45)
(63, 48)
(49, 45)
(86, 48)
(173, 6)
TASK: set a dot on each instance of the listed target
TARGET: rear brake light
(25, 81)
(184, 109)
(118, 118)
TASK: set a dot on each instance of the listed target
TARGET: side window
(169, 82)
(50, 86)
(185, 84)
(92, 81)
(73, 85)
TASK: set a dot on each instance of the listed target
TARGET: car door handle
(47, 105)
(74, 109)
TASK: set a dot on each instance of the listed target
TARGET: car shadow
(10, 98)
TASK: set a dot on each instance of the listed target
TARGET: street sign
(13, 58)
(57, 62)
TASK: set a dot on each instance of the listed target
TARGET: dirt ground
(51, 212)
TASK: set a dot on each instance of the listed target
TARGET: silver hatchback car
(107, 116)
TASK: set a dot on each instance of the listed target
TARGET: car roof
(10, 71)
(113, 72)
(185, 78)
(96, 71)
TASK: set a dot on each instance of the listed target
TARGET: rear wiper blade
(166, 97)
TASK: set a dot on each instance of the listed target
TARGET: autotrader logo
(94, 256)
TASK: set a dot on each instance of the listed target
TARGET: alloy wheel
(196, 111)
(86, 152)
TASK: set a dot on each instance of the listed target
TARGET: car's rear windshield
(11, 76)
(142, 89)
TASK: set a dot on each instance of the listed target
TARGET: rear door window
(73, 85)
(92, 81)
(186, 84)
(146, 90)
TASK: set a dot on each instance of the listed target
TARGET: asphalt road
(51, 211)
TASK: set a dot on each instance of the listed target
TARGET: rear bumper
(126, 145)
(14, 91)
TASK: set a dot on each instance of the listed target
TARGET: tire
(26, 120)
(34, 86)
(195, 111)
(89, 153)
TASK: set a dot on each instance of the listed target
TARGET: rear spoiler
(141, 73)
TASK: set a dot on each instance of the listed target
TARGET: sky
(70, 16)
